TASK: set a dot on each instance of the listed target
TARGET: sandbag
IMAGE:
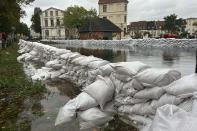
(168, 99)
(139, 109)
(133, 84)
(66, 113)
(150, 93)
(172, 118)
(186, 105)
(106, 70)
(117, 84)
(185, 85)
(129, 68)
(93, 117)
(51, 63)
(97, 64)
(101, 90)
(157, 77)
(119, 100)
(84, 101)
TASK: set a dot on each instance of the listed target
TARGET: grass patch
(15, 87)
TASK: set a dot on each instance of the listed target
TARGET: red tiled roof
(111, 1)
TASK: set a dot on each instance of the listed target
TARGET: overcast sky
(137, 9)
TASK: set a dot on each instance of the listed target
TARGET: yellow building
(191, 26)
(115, 11)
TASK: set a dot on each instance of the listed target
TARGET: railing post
(196, 61)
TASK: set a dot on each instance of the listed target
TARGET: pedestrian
(4, 40)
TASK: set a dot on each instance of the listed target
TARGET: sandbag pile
(93, 107)
(134, 90)
(125, 44)
(140, 90)
(61, 63)
(171, 118)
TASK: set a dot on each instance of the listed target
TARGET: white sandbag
(76, 60)
(173, 118)
(73, 56)
(93, 117)
(101, 90)
(117, 84)
(56, 66)
(109, 108)
(66, 56)
(85, 101)
(92, 74)
(168, 99)
(122, 77)
(55, 74)
(97, 64)
(119, 100)
(127, 92)
(41, 74)
(87, 60)
(150, 93)
(66, 113)
(129, 68)
(51, 63)
(185, 85)
(133, 84)
(139, 109)
(158, 77)
(186, 105)
(106, 70)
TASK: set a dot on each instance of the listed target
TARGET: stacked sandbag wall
(133, 90)
(125, 44)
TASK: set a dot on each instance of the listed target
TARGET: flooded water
(182, 60)
(59, 92)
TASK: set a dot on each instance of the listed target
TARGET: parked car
(169, 36)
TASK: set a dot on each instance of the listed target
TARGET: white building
(115, 11)
(52, 24)
(191, 26)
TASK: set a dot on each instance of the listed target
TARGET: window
(125, 7)
(104, 8)
(46, 13)
(46, 22)
(47, 33)
(58, 22)
(125, 19)
(52, 22)
(56, 13)
(51, 13)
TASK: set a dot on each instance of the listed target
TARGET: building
(115, 11)
(99, 28)
(52, 24)
(191, 26)
(144, 29)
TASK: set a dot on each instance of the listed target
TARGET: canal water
(59, 92)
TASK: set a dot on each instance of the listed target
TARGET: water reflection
(182, 60)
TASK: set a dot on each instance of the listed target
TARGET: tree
(22, 29)
(75, 17)
(36, 25)
(174, 25)
(10, 13)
